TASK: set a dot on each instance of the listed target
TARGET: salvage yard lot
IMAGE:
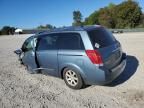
(18, 89)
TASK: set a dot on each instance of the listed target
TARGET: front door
(28, 54)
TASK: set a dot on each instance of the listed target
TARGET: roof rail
(70, 28)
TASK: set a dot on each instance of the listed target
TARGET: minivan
(80, 55)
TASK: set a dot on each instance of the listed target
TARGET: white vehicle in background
(117, 31)
(18, 31)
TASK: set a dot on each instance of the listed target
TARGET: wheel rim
(71, 78)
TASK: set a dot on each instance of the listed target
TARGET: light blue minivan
(81, 56)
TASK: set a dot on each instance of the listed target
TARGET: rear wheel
(72, 79)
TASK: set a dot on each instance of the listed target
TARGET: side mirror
(18, 51)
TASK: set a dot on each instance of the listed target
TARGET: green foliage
(105, 18)
(92, 19)
(47, 26)
(7, 30)
(77, 17)
(142, 21)
(111, 6)
(128, 14)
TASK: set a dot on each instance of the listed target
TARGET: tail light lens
(95, 57)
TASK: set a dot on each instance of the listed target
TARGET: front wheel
(72, 79)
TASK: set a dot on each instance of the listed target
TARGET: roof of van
(71, 28)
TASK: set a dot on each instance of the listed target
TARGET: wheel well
(62, 72)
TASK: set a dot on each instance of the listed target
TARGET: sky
(31, 13)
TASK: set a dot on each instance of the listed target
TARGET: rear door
(71, 50)
(109, 48)
(46, 52)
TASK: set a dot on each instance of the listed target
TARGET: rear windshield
(101, 37)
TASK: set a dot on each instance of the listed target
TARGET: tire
(72, 79)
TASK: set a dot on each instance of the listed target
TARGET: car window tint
(47, 43)
(70, 41)
(101, 37)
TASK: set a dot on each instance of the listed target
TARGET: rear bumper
(108, 75)
(112, 74)
(115, 72)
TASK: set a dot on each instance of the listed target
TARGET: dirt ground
(19, 89)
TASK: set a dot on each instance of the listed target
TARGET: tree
(112, 14)
(128, 14)
(47, 26)
(7, 30)
(111, 5)
(40, 27)
(12, 30)
(142, 21)
(105, 18)
(92, 19)
(77, 17)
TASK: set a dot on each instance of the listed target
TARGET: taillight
(95, 57)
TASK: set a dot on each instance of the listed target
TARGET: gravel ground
(18, 89)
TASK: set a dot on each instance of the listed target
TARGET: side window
(70, 41)
(28, 44)
(47, 42)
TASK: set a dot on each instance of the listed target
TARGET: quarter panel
(72, 59)
(78, 60)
